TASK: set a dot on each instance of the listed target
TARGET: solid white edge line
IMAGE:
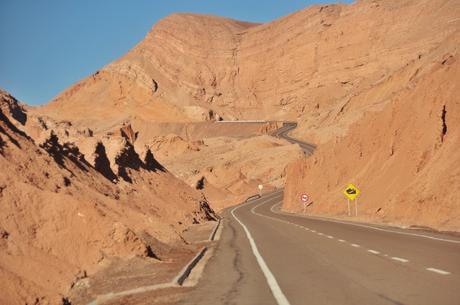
(399, 259)
(271, 280)
(439, 271)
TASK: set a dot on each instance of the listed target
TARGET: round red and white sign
(304, 197)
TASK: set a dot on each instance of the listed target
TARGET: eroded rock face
(403, 157)
(11, 107)
(305, 66)
(102, 163)
(127, 158)
(60, 209)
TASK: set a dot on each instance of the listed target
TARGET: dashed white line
(399, 259)
(271, 280)
(439, 271)
(371, 227)
(276, 290)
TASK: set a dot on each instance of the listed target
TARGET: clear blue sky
(47, 45)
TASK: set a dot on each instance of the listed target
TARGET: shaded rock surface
(60, 214)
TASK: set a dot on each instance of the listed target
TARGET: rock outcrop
(403, 156)
(62, 213)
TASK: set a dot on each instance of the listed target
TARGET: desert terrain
(117, 181)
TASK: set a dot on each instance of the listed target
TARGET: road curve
(321, 261)
(282, 132)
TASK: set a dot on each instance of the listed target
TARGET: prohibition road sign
(304, 197)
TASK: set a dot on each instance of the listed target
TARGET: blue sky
(47, 45)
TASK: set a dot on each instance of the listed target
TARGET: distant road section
(282, 132)
(245, 121)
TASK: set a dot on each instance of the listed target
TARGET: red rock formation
(60, 215)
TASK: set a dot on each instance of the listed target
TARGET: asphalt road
(283, 132)
(268, 257)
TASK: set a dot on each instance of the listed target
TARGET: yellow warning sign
(351, 191)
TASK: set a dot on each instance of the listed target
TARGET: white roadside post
(261, 187)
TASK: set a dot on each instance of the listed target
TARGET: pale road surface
(311, 260)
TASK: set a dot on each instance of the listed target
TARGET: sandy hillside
(226, 169)
(66, 216)
(127, 158)
(404, 156)
(327, 67)
(317, 66)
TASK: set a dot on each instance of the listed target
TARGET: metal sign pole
(348, 202)
(356, 206)
(305, 208)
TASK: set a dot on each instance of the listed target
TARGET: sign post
(349, 211)
(304, 199)
(352, 192)
(356, 207)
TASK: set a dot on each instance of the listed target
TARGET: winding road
(283, 133)
(266, 256)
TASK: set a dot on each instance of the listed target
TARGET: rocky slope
(403, 155)
(373, 83)
(318, 66)
(328, 67)
(66, 215)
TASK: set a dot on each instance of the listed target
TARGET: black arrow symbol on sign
(351, 191)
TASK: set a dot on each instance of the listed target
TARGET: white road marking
(371, 227)
(271, 280)
(439, 271)
(330, 237)
(399, 259)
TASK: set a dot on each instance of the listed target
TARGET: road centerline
(439, 271)
(399, 259)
